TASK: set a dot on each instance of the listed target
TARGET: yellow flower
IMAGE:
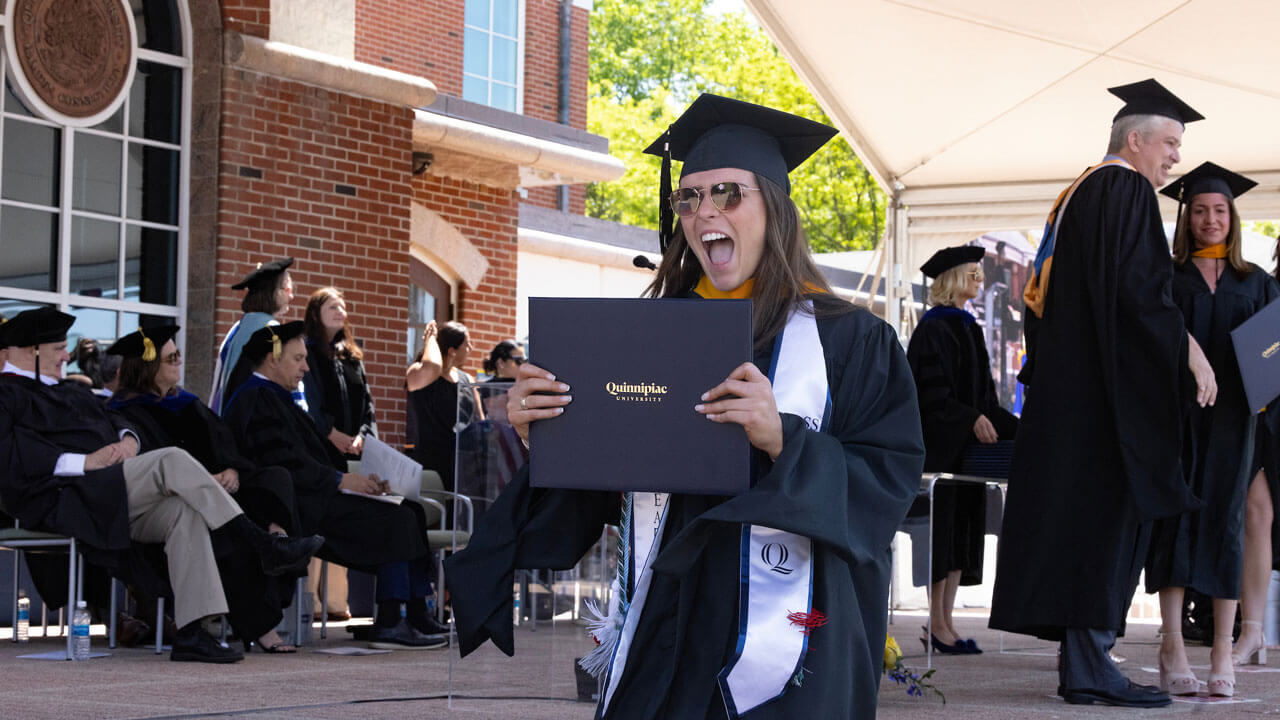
(891, 653)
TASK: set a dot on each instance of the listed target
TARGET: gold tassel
(148, 347)
(276, 349)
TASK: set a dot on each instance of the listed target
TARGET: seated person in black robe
(836, 454)
(965, 431)
(163, 415)
(74, 468)
(361, 533)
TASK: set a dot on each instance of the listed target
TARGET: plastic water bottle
(80, 632)
(515, 613)
(22, 627)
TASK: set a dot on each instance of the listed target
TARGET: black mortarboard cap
(144, 343)
(271, 339)
(264, 274)
(37, 326)
(1149, 97)
(1208, 178)
(947, 258)
(720, 132)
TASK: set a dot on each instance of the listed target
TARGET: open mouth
(718, 246)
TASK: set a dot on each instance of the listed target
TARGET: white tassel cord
(606, 628)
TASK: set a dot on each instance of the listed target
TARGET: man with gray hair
(1098, 448)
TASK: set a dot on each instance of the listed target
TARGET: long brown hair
(343, 344)
(785, 274)
(138, 377)
(1184, 243)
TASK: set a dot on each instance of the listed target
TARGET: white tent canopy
(974, 114)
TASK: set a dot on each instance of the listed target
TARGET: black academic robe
(182, 420)
(948, 357)
(1204, 549)
(848, 489)
(338, 394)
(270, 429)
(1098, 445)
(38, 424)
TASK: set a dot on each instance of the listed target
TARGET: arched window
(94, 220)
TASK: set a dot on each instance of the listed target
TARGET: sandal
(1245, 655)
(280, 648)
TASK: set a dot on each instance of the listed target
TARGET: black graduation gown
(1204, 549)
(270, 429)
(1098, 443)
(39, 423)
(948, 357)
(265, 493)
(848, 489)
(338, 394)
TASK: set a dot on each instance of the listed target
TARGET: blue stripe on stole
(744, 593)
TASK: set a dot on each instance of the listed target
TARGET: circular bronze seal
(75, 55)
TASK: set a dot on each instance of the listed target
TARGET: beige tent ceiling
(980, 111)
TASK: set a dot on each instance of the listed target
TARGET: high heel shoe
(1176, 683)
(1223, 685)
(1244, 655)
(960, 648)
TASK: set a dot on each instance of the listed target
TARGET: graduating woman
(162, 414)
(961, 417)
(1216, 290)
(836, 457)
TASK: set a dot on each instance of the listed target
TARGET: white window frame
(520, 50)
(62, 298)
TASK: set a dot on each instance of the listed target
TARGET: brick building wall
(323, 177)
(488, 217)
(251, 17)
(418, 37)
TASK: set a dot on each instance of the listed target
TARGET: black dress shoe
(283, 554)
(1135, 696)
(427, 625)
(404, 637)
(200, 646)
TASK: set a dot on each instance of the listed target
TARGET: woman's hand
(524, 406)
(985, 431)
(754, 407)
(357, 445)
(229, 479)
(367, 484)
(341, 440)
(1206, 381)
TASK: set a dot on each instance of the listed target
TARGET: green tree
(649, 60)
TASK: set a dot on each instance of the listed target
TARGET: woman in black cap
(1217, 290)
(960, 413)
(270, 290)
(162, 414)
(830, 411)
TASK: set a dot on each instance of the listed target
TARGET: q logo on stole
(775, 555)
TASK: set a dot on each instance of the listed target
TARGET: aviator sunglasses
(725, 196)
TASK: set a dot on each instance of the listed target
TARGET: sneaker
(200, 646)
(404, 637)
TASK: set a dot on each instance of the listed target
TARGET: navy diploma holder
(1257, 343)
(635, 369)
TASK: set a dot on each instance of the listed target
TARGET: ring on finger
(524, 403)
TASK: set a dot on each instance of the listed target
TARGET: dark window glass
(150, 265)
(12, 103)
(31, 162)
(29, 246)
(157, 23)
(133, 321)
(95, 257)
(95, 176)
(155, 102)
(153, 184)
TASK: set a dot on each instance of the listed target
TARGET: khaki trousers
(173, 500)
